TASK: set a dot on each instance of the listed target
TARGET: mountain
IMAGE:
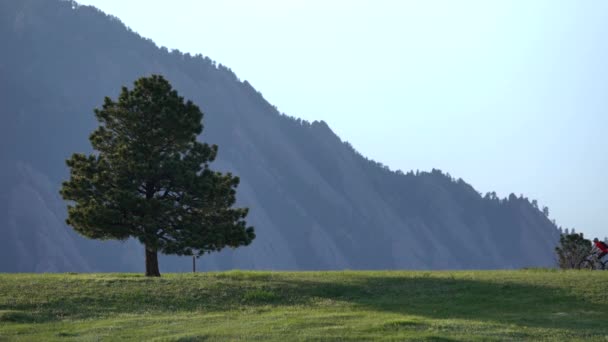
(315, 202)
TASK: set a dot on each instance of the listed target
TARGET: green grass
(429, 306)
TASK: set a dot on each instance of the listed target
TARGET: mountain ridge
(315, 201)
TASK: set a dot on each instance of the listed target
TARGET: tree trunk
(152, 263)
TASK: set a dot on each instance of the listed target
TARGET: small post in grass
(193, 263)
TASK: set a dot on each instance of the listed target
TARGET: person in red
(601, 247)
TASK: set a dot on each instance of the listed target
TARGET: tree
(150, 178)
(546, 211)
(535, 204)
(572, 250)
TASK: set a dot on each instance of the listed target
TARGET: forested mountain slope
(315, 202)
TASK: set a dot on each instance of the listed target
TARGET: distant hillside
(315, 202)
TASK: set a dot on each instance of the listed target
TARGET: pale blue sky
(512, 96)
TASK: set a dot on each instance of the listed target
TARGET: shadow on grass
(444, 298)
(433, 297)
(523, 305)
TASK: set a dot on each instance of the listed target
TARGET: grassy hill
(439, 306)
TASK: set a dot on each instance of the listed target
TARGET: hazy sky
(512, 96)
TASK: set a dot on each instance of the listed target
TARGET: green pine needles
(150, 178)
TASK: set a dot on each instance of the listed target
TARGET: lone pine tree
(150, 178)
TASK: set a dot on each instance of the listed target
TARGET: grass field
(285, 306)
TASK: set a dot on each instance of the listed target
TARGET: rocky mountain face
(315, 202)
